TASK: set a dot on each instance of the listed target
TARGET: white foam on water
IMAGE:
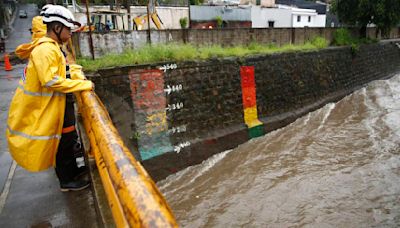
(196, 171)
(328, 109)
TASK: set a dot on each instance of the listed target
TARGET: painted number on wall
(174, 88)
(168, 67)
(178, 129)
(180, 146)
(176, 106)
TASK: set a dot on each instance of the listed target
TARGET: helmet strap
(58, 33)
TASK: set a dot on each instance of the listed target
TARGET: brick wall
(173, 115)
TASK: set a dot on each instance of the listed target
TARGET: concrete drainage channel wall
(176, 114)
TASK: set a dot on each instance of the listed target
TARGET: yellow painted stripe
(250, 114)
(251, 117)
(254, 123)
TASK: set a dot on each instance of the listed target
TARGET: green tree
(383, 13)
(183, 22)
(196, 2)
(39, 3)
(219, 21)
(386, 15)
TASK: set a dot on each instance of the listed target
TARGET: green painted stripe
(256, 131)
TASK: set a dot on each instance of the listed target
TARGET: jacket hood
(38, 31)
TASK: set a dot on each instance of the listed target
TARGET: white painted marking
(168, 89)
(177, 129)
(176, 106)
(6, 190)
(174, 88)
(168, 67)
(180, 146)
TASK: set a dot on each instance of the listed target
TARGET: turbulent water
(336, 167)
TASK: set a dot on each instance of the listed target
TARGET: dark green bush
(183, 22)
(342, 37)
(320, 42)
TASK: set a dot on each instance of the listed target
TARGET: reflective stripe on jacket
(37, 109)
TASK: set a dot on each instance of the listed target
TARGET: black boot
(74, 185)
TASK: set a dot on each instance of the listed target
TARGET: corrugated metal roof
(320, 8)
(228, 13)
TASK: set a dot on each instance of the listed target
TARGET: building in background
(255, 16)
(206, 17)
(168, 16)
(215, 14)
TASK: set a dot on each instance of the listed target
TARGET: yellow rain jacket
(37, 109)
(38, 31)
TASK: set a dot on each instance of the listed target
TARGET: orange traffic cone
(7, 64)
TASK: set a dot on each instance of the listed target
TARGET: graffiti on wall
(149, 95)
(147, 92)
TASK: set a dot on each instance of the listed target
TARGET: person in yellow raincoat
(36, 119)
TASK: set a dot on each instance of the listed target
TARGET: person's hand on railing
(76, 71)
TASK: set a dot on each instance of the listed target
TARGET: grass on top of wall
(182, 52)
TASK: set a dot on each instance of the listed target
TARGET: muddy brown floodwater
(338, 166)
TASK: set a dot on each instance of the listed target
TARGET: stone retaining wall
(119, 41)
(173, 115)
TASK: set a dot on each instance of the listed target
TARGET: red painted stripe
(247, 75)
(147, 90)
(248, 86)
(249, 97)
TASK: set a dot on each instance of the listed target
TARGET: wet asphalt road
(20, 31)
(19, 34)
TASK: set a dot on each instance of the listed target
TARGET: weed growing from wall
(182, 52)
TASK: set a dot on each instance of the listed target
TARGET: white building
(279, 16)
(286, 17)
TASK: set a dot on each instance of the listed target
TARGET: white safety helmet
(44, 8)
(60, 14)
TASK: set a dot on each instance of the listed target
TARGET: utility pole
(128, 11)
(74, 5)
(148, 22)
(90, 29)
(190, 24)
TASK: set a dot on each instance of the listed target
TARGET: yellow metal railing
(132, 195)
